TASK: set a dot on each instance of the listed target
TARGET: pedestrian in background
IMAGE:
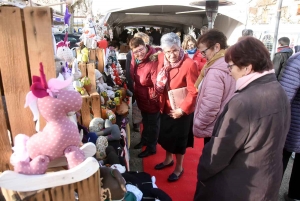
(189, 45)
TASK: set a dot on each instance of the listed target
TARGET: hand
(175, 114)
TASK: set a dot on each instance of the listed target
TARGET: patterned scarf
(163, 74)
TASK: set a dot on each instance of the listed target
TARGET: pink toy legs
(74, 156)
(38, 165)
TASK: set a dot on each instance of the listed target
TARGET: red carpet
(185, 187)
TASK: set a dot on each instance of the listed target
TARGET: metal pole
(278, 5)
(211, 8)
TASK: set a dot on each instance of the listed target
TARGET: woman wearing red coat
(189, 45)
(175, 70)
(143, 72)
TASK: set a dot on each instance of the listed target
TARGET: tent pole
(278, 14)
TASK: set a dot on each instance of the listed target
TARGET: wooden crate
(26, 37)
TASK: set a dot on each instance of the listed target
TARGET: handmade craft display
(60, 137)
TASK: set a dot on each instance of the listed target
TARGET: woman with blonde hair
(189, 45)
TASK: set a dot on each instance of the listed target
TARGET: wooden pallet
(26, 37)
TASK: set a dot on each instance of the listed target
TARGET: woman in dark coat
(243, 159)
(175, 70)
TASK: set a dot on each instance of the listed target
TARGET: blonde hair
(143, 36)
(188, 38)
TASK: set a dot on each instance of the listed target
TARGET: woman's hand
(175, 114)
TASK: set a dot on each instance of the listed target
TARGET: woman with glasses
(214, 84)
(189, 45)
(243, 159)
(175, 70)
(143, 71)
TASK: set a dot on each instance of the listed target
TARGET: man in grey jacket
(282, 55)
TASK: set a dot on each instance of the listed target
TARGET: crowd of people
(244, 105)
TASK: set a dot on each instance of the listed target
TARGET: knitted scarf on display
(162, 76)
(208, 64)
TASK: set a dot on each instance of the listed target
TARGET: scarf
(193, 51)
(163, 74)
(217, 56)
(245, 80)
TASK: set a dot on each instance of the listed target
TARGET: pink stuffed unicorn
(60, 137)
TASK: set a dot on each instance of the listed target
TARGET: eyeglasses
(229, 66)
(168, 53)
(139, 51)
(204, 51)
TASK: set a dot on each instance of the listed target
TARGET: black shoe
(162, 165)
(139, 145)
(174, 177)
(146, 153)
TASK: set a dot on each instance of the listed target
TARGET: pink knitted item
(60, 137)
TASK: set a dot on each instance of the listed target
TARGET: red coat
(144, 77)
(199, 60)
(182, 76)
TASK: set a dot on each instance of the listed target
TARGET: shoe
(162, 165)
(139, 145)
(174, 177)
(146, 153)
(287, 198)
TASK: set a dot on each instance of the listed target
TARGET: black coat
(243, 159)
(279, 61)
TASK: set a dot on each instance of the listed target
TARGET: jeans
(293, 192)
(151, 124)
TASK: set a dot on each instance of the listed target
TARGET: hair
(250, 50)
(284, 41)
(247, 32)
(135, 42)
(212, 37)
(169, 40)
(143, 36)
(188, 38)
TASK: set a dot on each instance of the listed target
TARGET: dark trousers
(293, 192)
(151, 126)
(206, 140)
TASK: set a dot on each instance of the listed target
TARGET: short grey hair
(169, 40)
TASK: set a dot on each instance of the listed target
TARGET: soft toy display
(60, 137)
(89, 33)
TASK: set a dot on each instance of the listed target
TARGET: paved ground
(137, 165)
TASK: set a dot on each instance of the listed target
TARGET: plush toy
(60, 137)
(63, 51)
(79, 87)
(114, 182)
(102, 86)
(89, 33)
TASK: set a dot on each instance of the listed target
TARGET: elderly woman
(243, 159)
(215, 85)
(175, 70)
(129, 80)
(189, 45)
(143, 72)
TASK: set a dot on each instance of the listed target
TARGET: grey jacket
(279, 61)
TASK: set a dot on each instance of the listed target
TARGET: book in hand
(176, 97)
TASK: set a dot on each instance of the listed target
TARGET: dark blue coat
(290, 81)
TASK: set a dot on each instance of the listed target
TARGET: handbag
(176, 97)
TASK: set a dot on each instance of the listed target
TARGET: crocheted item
(101, 145)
